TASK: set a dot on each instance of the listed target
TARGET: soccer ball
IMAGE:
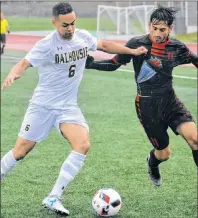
(106, 202)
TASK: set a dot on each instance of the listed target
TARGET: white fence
(124, 21)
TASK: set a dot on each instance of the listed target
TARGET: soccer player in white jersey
(60, 58)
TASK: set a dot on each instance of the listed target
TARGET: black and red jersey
(153, 71)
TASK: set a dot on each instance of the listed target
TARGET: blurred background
(106, 19)
(119, 145)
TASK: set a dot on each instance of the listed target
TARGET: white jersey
(60, 67)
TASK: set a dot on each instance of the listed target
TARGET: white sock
(8, 162)
(69, 170)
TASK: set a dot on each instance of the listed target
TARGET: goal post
(122, 22)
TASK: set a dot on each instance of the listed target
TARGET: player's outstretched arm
(185, 56)
(194, 59)
(125, 54)
(103, 65)
(15, 73)
(117, 48)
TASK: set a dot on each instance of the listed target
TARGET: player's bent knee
(163, 154)
(193, 142)
(19, 154)
(22, 148)
(82, 147)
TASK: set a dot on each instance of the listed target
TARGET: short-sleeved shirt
(4, 26)
(60, 66)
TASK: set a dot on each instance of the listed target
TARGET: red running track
(25, 43)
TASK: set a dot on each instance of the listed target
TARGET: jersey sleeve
(194, 59)
(39, 54)
(125, 58)
(184, 56)
(91, 41)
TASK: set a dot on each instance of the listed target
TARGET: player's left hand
(9, 80)
(140, 50)
(8, 31)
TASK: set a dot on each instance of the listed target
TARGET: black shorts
(3, 38)
(158, 113)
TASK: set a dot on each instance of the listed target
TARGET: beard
(67, 36)
(160, 39)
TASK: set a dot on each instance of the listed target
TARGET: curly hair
(165, 14)
(61, 8)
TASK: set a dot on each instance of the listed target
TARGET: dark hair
(61, 8)
(163, 14)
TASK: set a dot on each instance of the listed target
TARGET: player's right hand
(140, 50)
(9, 80)
(89, 61)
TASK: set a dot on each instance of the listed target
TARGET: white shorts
(38, 121)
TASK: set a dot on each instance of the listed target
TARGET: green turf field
(116, 158)
(44, 23)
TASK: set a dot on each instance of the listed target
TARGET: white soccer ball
(106, 202)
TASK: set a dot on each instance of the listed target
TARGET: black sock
(153, 161)
(195, 156)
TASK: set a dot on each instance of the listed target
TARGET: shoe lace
(56, 197)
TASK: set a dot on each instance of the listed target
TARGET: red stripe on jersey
(114, 60)
(157, 54)
(157, 51)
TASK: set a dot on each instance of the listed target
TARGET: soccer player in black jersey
(156, 103)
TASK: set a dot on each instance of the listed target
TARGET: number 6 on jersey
(72, 70)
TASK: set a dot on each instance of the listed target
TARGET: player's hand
(89, 61)
(139, 51)
(9, 80)
(8, 31)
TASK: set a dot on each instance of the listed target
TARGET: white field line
(177, 76)
(123, 70)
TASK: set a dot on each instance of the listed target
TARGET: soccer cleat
(53, 203)
(154, 174)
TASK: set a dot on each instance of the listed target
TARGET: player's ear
(53, 21)
(149, 25)
(76, 18)
(170, 28)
